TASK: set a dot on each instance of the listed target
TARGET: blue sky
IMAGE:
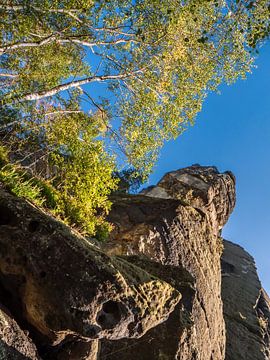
(233, 133)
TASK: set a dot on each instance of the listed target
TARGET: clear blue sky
(233, 133)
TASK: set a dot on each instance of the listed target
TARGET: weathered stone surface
(202, 187)
(62, 286)
(161, 342)
(153, 292)
(177, 223)
(246, 307)
(74, 350)
(14, 343)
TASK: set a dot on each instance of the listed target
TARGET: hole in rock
(42, 274)
(111, 314)
(6, 215)
(110, 307)
(33, 226)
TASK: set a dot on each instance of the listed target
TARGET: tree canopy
(88, 87)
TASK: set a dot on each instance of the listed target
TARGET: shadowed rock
(59, 285)
(246, 307)
(166, 335)
(14, 343)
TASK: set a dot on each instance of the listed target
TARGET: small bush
(82, 203)
(17, 184)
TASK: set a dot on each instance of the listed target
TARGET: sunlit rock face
(164, 286)
(202, 187)
(177, 223)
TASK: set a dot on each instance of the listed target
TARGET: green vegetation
(89, 88)
(75, 206)
(18, 181)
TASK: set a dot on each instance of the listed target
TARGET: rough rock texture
(75, 350)
(177, 223)
(246, 307)
(61, 287)
(153, 292)
(14, 343)
(162, 341)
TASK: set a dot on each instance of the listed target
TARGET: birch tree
(136, 71)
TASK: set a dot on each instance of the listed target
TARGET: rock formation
(14, 342)
(176, 223)
(60, 287)
(157, 289)
(246, 306)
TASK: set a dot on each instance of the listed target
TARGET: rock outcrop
(246, 306)
(14, 343)
(157, 289)
(178, 223)
(60, 287)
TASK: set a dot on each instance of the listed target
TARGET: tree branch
(71, 39)
(8, 75)
(97, 43)
(69, 12)
(63, 112)
(15, 46)
(69, 85)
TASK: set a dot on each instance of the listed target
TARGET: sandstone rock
(14, 343)
(246, 307)
(75, 350)
(161, 342)
(177, 223)
(202, 187)
(153, 292)
(61, 285)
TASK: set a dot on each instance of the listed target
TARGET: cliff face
(61, 288)
(177, 223)
(246, 306)
(157, 289)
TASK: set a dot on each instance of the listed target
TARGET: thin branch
(97, 43)
(94, 103)
(9, 124)
(129, 88)
(135, 75)
(8, 75)
(69, 12)
(27, 156)
(71, 39)
(15, 46)
(72, 84)
(109, 128)
(21, 7)
(63, 112)
(115, 30)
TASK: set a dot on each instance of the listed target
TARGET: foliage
(88, 87)
(20, 187)
(129, 180)
(16, 180)
(82, 169)
(259, 22)
(78, 209)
